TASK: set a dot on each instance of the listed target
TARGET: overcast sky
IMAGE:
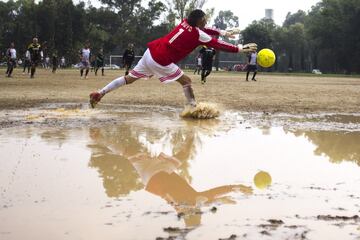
(251, 10)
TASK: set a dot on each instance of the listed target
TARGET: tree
(181, 8)
(226, 19)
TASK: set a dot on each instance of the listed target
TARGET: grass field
(271, 93)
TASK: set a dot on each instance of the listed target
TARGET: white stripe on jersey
(204, 37)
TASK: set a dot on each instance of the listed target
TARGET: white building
(269, 14)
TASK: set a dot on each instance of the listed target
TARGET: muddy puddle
(68, 172)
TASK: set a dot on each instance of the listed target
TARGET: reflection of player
(162, 55)
(160, 178)
(159, 174)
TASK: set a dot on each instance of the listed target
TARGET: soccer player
(162, 54)
(85, 59)
(198, 64)
(62, 62)
(54, 62)
(36, 55)
(208, 55)
(100, 62)
(251, 67)
(11, 59)
(27, 62)
(128, 57)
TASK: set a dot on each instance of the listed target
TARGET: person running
(100, 62)
(11, 59)
(252, 66)
(36, 55)
(128, 57)
(208, 55)
(85, 60)
(162, 54)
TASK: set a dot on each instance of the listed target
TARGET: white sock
(189, 94)
(116, 83)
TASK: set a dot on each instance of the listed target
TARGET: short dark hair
(195, 16)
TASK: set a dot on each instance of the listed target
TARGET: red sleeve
(211, 31)
(222, 46)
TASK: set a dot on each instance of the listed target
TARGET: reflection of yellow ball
(266, 58)
(262, 180)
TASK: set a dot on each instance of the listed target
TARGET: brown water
(144, 171)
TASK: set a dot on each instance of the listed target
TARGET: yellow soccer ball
(266, 58)
(262, 180)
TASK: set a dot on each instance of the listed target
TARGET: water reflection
(126, 160)
(338, 146)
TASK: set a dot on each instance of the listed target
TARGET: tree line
(326, 37)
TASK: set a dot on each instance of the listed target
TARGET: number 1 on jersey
(176, 35)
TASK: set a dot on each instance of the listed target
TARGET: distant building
(269, 14)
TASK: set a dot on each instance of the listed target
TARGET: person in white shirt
(27, 62)
(252, 66)
(85, 54)
(11, 59)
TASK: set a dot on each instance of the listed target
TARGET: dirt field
(271, 93)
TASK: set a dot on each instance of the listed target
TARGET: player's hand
(250, 47)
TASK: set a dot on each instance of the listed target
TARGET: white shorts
(147, 67)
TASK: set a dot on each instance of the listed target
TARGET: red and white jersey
(182, 40)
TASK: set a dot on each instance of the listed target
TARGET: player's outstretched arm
(246, 48)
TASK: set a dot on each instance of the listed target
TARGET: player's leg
(96, 70)
(87, 71)
(254, 74)
(203, 75)
(138, 72)
(81, 69)
(33, 69)
(12, 64)
(28, 65)
(102, 71)
(247, 74)
(7, 68)
(185, 82)
(127, 68)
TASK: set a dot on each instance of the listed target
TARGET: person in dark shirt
(54, 62)
(100, 62)
(208, 55)
(128, 58)
(36, 55)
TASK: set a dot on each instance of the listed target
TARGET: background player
(36, 55)
(27, 62)
(128, 57)
(11, 59)
(85, 60)
(100, 62)
(162, 54)
(208, 55)
(251, 67)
